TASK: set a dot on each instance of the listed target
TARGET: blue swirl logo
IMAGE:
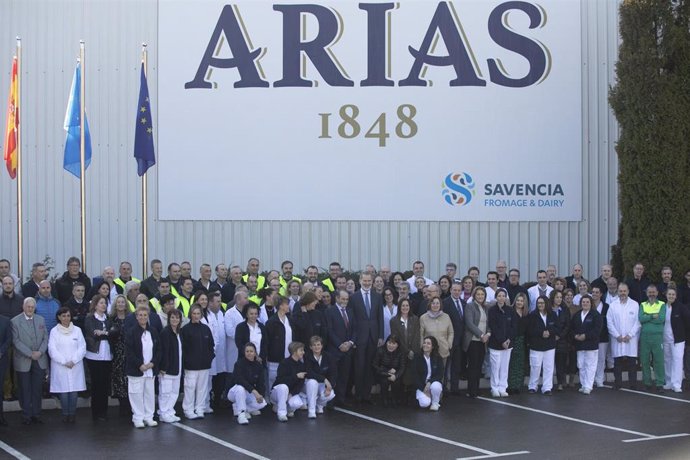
(458, 189)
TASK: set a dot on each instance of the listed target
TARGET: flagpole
(20, 239)
(144, 188)
(82, 153)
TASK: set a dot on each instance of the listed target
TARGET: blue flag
(143, 134)
(72, 126)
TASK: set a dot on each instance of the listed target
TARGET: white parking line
(507, 454)
(565, 417)
(679, 435)
(486, 453)
(239, 449)
(643, 436)
(653, 395)
(12, 451)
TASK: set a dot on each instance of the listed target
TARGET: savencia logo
(458, 189)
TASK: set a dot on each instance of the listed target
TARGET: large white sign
(345, 110)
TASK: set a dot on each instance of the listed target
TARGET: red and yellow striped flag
(12, 124)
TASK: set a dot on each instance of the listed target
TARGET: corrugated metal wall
(113, 32)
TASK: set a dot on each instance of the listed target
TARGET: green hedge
(651, 101)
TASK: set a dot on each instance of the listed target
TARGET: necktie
(344, 315)
(367, 304)
(32, 325)
(457, 305)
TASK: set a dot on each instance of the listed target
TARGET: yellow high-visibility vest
(185, 304)
(283, 285)
(122, 284)
(329, 284)
(652, 309)
(260, 281)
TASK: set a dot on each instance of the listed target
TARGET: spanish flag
(12, 124)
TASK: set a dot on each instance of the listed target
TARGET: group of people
(249, 340)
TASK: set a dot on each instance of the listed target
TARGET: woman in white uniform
(66, 348)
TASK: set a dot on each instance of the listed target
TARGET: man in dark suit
(5, 343)
(574, 279)
(606, 272)
(638, 284)
(367, 308)
(454, 308)
(30, 338)
(341, 342)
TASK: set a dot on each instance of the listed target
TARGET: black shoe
(633, 387)
(660, 390)
(71, 419)
(531, 391)
(616, 386)
(547, 393)
(648, 388)
(36, 421)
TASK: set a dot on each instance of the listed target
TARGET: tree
(651, 101)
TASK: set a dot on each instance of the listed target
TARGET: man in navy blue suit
(454, 308)
(367, 308)
(341, 342)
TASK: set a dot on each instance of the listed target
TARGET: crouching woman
(247, 395)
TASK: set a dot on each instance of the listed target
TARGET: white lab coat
(233, 317)
(622, 320)
(63, 348)
(533, 294)
(216, 322)
(263, 314)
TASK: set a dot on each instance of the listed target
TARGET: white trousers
(587, 364)
(673, 364)
(500, 363)
(436, 390)
(280, 397)
(243, 400)
(600, 376)
(272, 373)
(541, 361)
(168, 392)
(141, 397)
(195, 386)
(207, 393)
(316, 394)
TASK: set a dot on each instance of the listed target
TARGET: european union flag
(72, 161)
(143, 134)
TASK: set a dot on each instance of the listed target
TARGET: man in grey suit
(30, 339)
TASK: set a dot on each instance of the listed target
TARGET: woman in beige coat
(437, 324)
